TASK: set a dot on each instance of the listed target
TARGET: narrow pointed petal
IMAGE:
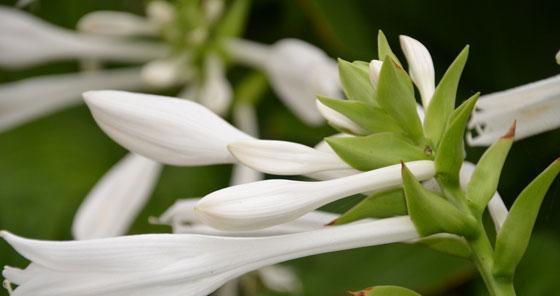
(534, 106)
(27, 99)
(116, 24)
(297, 71)
(374, 69)
(26, 40)
(170, 265)
(339, 120)
(168, 130)
(216, 93)
(284, 158)
(115, 201)
(421, 67)
(267, 203)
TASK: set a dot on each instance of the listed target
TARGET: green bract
(377, 205)
(384, 49)
(385, 291)
(355, 82)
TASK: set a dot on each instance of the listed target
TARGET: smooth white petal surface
(297, 71)
(184, 220)
(284, 158)
(26, 40)
(421, 67)
(27, 99)
(168, 264)
(116, 23)
(374, 69)
(535, 107)
(118, 197)
(339, 120)
(168, 130)
(266, 203)
(245, 118)
(216, 93)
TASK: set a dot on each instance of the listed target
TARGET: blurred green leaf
(375, 151)
(378, 205)
(513, 238)
(235, 19)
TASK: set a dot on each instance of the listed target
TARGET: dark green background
(48, 166)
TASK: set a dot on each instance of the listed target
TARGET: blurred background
(49, 165)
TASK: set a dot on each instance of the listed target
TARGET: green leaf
(385, 291)
(451, 154)
(513, 238)
(234, 21)
(371, 118)
(355, 82)
(443, 101)
(378, 205)
(449, 244)
(395, 94)
(485, 178)
(375, 151)
(384, 49)
(432, 213)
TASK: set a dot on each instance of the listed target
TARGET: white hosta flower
(535, 107)
(339, 120)
(184, 220)
(374, 70)
(115, 201)
(216, 93)
(266, 203)
(174, 264)
(26, 40)
(297, 71)
(168, 130)
(164, 73)
(421, 67)
(280, 279)
(116, 23)
(284, 158)
(27, 99)
(496, 207)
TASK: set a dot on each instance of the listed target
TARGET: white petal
(171, 265)
(116, 23)
(160, 12)
(297, 71)
(216, 93)
(421, 67)
(164, 73)
(284, 158)
(374, 70)
(27, 99)
(558, 57)
(26, 40)
(115, 201)
(534, 106)
(245, 118)
(168, 130)
(339, 120)
(266, 203)
(280, 279)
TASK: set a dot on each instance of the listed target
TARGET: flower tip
(511, 132)
(332, 223)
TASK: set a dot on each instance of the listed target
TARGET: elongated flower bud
(339, 120)
(168, 130)
(171, 264)
(374, 69)
(421, 67)
(271, 202)
(114, 202)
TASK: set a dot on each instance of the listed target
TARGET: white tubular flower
(26, 40)
(184, 220)
(116, 23)
(162, 73)
(374, 69)
(168, 130)
(115, 201)
(172, 264)
(280, 279)
(496, 207)
(28, 99)
(535, 107)
(267, 203)
(297, 71)
(216, 92)
(284, 158)
(421, 67)
(339, 120)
